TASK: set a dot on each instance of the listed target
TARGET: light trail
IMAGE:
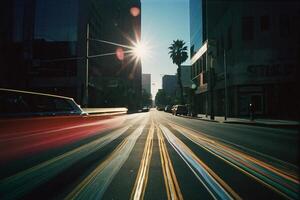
(96, 183)
(20, 183)
(281, 181)
(171, 183)
(213, 183)
(35, 135)
(142, 177)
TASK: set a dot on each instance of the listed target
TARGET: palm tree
(178, 53)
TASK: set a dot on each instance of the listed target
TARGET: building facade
(169, 84)
(68, 47)
(146, 83)
(255, 45)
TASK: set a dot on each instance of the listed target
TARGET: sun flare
(140, 50)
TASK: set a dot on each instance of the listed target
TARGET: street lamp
(86, 82)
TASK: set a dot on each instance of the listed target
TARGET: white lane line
(213, 183)
(276, 179)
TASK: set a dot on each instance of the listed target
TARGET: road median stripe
(171, 183)
(213, 183)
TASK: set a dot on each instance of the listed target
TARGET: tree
(146, 98)
(178, 54)
(161, 98)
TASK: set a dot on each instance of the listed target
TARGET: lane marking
(22, 182)
(280, 164)
(213, 183)
(96, 183)
(142, 177)
(171, 183)
(276, 179)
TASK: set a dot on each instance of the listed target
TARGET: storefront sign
(271, 70)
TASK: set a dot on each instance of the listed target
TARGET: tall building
(146, 83)
(258, 45)
(44, 48)
(169, 84)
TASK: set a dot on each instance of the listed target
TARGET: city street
(152, 155)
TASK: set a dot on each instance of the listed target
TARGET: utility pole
(211, 88)
(86, 88)
(225, 87)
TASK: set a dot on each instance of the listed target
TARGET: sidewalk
(105, 111)
(258, 122)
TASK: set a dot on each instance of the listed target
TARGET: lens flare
(135, 11)
(120, 53)
(140, 50)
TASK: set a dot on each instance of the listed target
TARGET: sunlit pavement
(152, 155)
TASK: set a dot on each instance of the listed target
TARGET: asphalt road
(151, 155)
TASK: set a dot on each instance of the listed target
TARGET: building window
(284, 25)
(229, 37)
(247, 28)
(264, 23)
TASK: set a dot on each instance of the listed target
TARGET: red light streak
(22, 137)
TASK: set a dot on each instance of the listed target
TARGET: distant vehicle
(16, 103)
(168, 109)
(179, 110)
(160, 108)
(145, 109)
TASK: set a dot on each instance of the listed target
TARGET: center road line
(213, 183)
(171, 183)
(96, 183)
(142, 176)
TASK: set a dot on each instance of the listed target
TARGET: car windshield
(149, 99)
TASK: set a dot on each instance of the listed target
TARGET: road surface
(151, 155)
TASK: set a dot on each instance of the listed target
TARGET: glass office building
(45, 43)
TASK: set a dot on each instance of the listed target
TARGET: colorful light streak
(22, 137)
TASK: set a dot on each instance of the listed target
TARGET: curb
(290, 126)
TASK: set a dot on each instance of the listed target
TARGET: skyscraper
(146, 83)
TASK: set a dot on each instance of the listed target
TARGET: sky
(162, 22)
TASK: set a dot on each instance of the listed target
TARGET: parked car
(160, 108)
(168, 108)
(16, 103)
(179, 110)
